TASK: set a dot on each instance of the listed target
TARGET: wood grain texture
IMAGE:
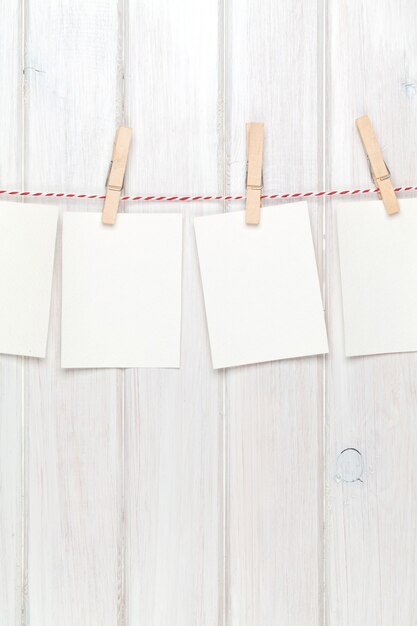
(192, 497)
(173, 418)
(11, 368)
(371, 401)
(274, 410)
(73, 418)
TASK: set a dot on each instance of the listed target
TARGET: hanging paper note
(378, 262)
(27, 248)
(121, 300)
(261, 287)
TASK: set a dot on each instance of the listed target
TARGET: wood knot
(349, 466)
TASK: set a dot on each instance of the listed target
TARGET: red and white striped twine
(272, 196)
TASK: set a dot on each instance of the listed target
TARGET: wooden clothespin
(254, 150)
(379, 170)
(115, 178)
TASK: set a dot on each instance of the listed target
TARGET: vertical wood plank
(274, 410)
(173, 445)
(371, 401)
(10, 366)
(73, 418)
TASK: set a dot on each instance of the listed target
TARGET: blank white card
(121, 298)
(261, 287)
(27, 248)
(378, 263)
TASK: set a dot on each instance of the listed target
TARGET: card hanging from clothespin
(254, 179)
(115, 178)
(379, 170)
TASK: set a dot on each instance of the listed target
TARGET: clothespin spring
(371, 171)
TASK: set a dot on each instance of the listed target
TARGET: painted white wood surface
(194, 497)
(173, 418)
(274, 411)
(11, 367)
(74, 419)
(371, 402)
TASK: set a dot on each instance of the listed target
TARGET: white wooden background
(194, 497)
